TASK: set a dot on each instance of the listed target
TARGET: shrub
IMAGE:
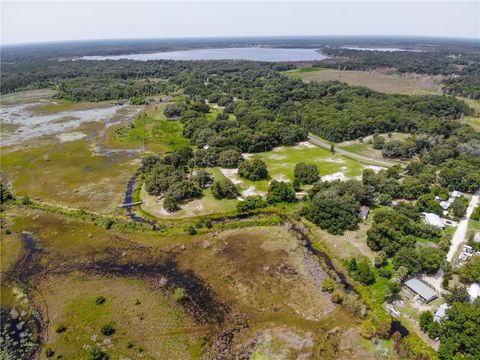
(328, 285)
(25, 200)
(107, 330)
(208, 223)
(229, 158)
(306, 173)
(279, 191)
(253, 170)
(94, 352)
(60, 328)
(250, 203)
(179, 294)
(224, 189)
(100, 300)
(190, 230)
(49, 352)
(108, 223)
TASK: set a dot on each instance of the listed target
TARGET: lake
(251, 53)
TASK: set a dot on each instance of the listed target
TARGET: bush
(174, 110)
(94, 352)
(208, 223)
(49, 352)
(190, 230)
(328, 285)
(60, 328)
(25, 200)
(202, 178)
(107, 330)
(253, 170)
(279, 191)
(229, 158)
(179, 294)
(251, 203)
(108, 223)
(306, 173)
(224, 189)
(100, 300)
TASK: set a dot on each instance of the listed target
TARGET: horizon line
(367, 36)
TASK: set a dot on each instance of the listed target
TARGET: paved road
(460, 234)
(363, 159)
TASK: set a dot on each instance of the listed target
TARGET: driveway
(315, 140)
(461, 233)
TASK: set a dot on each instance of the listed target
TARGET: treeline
(26, 75)
(100, 89)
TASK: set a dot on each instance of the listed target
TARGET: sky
(40, 21)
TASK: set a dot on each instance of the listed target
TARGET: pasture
(375, 80)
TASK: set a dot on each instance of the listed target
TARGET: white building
(474, 291)
(456, 194)
(434, 220)
(445, 205)
(441, 312)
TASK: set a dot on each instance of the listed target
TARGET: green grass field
(389, 83)
(154, 130)
(282, 160)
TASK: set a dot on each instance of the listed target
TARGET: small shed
(445, 205)
(421, 289)
(441, 312)
(363, 212)
(434, 220)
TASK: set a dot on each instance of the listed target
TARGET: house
(363, 213)
(456, 194)
(474, 291)
(445, 205)
(441, 312)
(421, 289)
(434, 220)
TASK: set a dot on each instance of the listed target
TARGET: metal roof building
(423, 290)
(434, 220)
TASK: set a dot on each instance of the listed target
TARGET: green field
(282, 160)
(150, 128)
(388, 83)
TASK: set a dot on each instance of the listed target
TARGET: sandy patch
(231, 174)
(278, 149)
(305, 144)
(375, 168)
(276, 157)
(72, 136)
(336, 176)
(334, 160)
(251, 191)
(247, 155)
(281, 177)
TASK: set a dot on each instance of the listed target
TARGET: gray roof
(422, 289)
(434, 220)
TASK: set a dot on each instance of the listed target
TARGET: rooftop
(422, 289)
(434, 220)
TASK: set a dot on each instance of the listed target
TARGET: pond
(251, 53)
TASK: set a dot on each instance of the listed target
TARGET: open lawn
(281, 162)
(375, 80)
(150, 128)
